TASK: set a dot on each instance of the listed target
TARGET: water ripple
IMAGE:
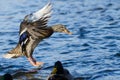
(91, 53)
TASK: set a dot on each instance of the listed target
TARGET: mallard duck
(60, 73)
(33, 29)
(6, 77)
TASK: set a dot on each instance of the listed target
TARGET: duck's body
(7, 77)
(34, 29)
(33, 42)
(60, 73)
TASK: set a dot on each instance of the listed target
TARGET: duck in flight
(33, 29)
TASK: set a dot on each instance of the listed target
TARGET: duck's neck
(54, 28)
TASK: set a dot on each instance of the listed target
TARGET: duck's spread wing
(40, 17)
(32, 24)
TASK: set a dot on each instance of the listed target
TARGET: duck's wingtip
(49, 2)
(43, 12)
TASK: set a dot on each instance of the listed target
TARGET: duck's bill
(68, 32)
(54, 71)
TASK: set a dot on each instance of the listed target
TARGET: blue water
(91, 53)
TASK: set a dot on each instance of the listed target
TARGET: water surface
(91, 53)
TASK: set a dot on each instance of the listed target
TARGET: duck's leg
(29, 51)
(34, 62)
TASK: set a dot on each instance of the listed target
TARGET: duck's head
(58, 72)
(58, 68)
(7, 77)
(61, 28)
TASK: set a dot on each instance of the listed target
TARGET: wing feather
(37, 19)
(44, 12)
(32, 23)
(41, 16)
(23, 39)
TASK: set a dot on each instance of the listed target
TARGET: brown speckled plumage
(34, 29)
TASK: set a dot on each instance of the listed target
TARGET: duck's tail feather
(9, 55)
(14, 53)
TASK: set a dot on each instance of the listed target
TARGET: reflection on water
(91, 53)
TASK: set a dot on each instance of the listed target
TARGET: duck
(7, 76)
(33, 29)
(59, 73)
